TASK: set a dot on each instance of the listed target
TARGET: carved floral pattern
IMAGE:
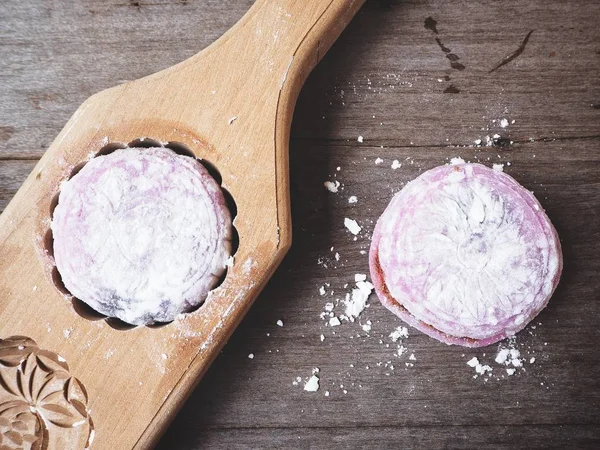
(41, 405)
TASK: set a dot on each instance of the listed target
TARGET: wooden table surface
(417, 94)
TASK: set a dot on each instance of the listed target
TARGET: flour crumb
(322, 338)
(481, 369)
(510, 371)
(251, 356)
(400, 332)
(312, 385)
(457, 160)
(503, 123)
(332, 186)
(532, 360)
(334, 322)
(502, 356)
(498, 167)
(360, 277)
(477, 142)
(67, 332)
(326, 393)
(352, 199)
(412, 357)
(229, 261)
(279, 323)
(473, 362)
(360, 139)
(35, 288)
(396, 164)
(378, 161)
(358, 301)
(352, 226)
(322, 291)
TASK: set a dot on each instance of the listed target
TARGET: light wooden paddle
(232, 105)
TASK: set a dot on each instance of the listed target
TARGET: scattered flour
(332, 186)
(400, 332)
(378, 161)
(334, 322)
(279, 323)
(358, 300)
(352, 226)
(352, 199)
(396, 164)
(481, 369)
(312, 385)
(360, 139)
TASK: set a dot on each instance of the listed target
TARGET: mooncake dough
(465, 254)
(141, 234)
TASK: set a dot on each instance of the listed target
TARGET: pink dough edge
(395, 307)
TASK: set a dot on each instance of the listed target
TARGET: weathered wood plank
(386, 64)
(378, 438)
(12, 175)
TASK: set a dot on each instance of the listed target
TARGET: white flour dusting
(352, 226)
(358, 300)
(312, 385)
(398, 333)
(332, 186)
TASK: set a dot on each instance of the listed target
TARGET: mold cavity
(109, 148)
(144, 143)
(49, 243)
(158, 324)
(235, 241)
(86, 311)
(58, 282)
(118, 324)
(230, 202)
(212, 170)
(77, 169)
(180, 149)
(53, 204)
(82, 308)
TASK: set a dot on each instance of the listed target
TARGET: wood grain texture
(387, 65)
